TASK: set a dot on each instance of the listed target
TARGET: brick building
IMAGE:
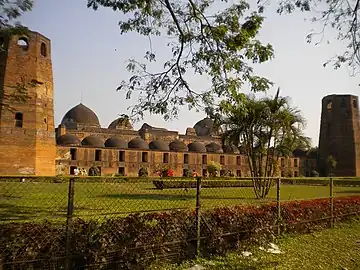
(30, 143)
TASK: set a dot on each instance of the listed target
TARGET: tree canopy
(10, 11)
(340, 15)
(266, 129)
(219, 44)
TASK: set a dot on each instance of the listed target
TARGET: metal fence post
(331, 202)
(69, 217)
(278, 205)
(198, 216)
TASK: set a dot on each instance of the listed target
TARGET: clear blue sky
(89, 54)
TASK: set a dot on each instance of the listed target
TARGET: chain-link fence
(115, 223)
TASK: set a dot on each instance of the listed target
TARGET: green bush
(143, 172)
(134, 241)
(204, 184)
(187, 173)
(94, 171)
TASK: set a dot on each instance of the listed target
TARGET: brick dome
(197, 147)
(116, 143)
(138, 143)
(93, 141)
(230, 149)
(121, 123)
(205, 127)
(82, 115)
(214, 148)
(178, 146)
(68, 140)
(159, 145)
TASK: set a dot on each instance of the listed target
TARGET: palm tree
(266, 129)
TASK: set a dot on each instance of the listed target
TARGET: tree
(266, 129)
(12, 10)
(213, 168)
(219, 45)
(9, 11)
(331, 165)
(341, 15)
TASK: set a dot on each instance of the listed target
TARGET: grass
(330, 249)
(29, 200)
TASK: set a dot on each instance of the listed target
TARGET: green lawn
(25, 201)
(331, 249)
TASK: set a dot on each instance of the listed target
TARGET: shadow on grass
(10, 212)
(349, 192)
(169, 197)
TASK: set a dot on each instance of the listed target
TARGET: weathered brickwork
(30, 144)
(27, 145)
(339, 134)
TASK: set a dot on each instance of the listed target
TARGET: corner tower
(27, 135)
(340, 134)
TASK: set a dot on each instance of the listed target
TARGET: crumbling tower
(339, 134)
(27, 135)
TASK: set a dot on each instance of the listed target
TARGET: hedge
(136, 240)
(204, 184)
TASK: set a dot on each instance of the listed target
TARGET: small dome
(116, 142)
(138, 143)
(230, 149)
(159, 145)
(205, 127)
(80, 114)
(68, 140)
(213, 148)
(197, 147)
(92, 141)
(178, 146)
(121, 123)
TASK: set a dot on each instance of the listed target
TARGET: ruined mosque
(31, 144)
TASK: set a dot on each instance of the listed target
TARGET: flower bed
(137, 239)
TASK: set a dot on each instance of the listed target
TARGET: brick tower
(340, 134)
(27, 135)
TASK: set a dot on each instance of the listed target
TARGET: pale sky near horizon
(89, 58)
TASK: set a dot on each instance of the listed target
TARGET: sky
(89, 58)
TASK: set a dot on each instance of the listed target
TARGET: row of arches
(138, 143)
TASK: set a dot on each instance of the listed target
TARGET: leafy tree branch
(220, 46)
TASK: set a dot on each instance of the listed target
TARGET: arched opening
(43, 51)
(329, 106)
(23, 43)
(355, 104)
(18, 119)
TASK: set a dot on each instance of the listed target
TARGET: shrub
(314, 173)
(187, 173)
(204, 184)
(213, 168)
(135, 240)
(94, 171)
(143, 172)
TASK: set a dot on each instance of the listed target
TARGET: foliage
(314, 173)
(126, 241)
(218, 43)
(331, 165)
(187, 173)
(11, 10)
(191, 183)
(94, 171)
(143, 172)
(340, 15)
(164, 171)
(213, 168)
(266, 129)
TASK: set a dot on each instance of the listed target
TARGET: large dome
(121, 123)
(205, 127)
(213, 148)
(82, 115)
